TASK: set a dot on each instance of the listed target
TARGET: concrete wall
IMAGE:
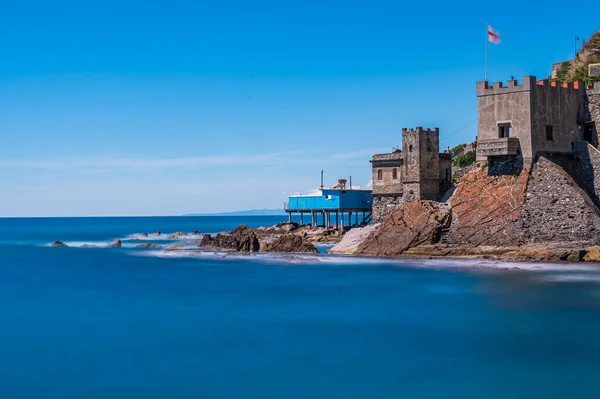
(387, 163)
(559, 107)
(510, 104)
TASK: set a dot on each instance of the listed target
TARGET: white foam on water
(570, 278)
(161, 237)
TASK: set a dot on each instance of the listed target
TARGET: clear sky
(148, 107)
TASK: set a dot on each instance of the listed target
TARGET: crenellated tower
(421, 168)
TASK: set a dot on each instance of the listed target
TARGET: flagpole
(487, 44)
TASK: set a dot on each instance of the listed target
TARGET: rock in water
(58, 244)
(157, 233)
(148, 245)
(115, 244)
(241, 239)
(179, 234)
(291, 243)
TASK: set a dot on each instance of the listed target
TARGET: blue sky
(165, 108)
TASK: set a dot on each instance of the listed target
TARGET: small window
(549, 133)
(395, 174)
(504, 130)
(379, 174)
(410, 148)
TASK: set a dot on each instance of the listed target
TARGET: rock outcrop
(413, 223)
(290, 243)
(58, 244)
(242, 239)
(486, 208)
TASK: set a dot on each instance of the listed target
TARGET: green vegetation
(457, 148)
(466, 159)
(577, 69)
(561, 75)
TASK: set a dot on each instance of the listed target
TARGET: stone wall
(556, 209)
(505, 165)
(559, 107)
(593, 70)
(387, 163)
(512, 104)
(584, 167)
(384, 206)
(593, 104)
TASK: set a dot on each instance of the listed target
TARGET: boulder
(115, 244)
(353, 239)
(157, 233)
(58, 244)
(243, 239)
(287, 226)
(413, 223)
(291, 243)
(148, 245)
(195, 233)
(144, 235)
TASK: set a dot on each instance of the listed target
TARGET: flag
(493, 36)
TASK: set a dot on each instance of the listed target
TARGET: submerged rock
(290, 243)
(58, 244)
(179, 234)
(115, 244)
(148, 245)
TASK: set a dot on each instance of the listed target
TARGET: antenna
(322, 180)
(350, 182)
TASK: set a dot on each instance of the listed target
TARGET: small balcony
(498, 147)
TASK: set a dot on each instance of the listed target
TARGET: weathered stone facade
(542, 115)
(418, 172)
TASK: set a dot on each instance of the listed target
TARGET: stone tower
(421, 168)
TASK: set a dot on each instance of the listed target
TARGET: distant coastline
(249, 212)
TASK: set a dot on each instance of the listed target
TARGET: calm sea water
(130, 323)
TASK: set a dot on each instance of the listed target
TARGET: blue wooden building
(341, 203)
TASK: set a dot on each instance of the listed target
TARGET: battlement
(420, 130)
(529, 83)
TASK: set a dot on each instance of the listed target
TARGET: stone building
(517, 122)
(417, 172)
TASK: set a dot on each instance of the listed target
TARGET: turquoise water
(127, 323)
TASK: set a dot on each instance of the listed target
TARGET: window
(410, 148)
(503, 130)
(549, 133)
(395, 174)
(379, 174)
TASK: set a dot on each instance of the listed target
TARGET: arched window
(395, 174)
(410, 148)
(379, 174)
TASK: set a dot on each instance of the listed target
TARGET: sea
(88, 321)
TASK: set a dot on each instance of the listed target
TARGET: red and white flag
(493, 35)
